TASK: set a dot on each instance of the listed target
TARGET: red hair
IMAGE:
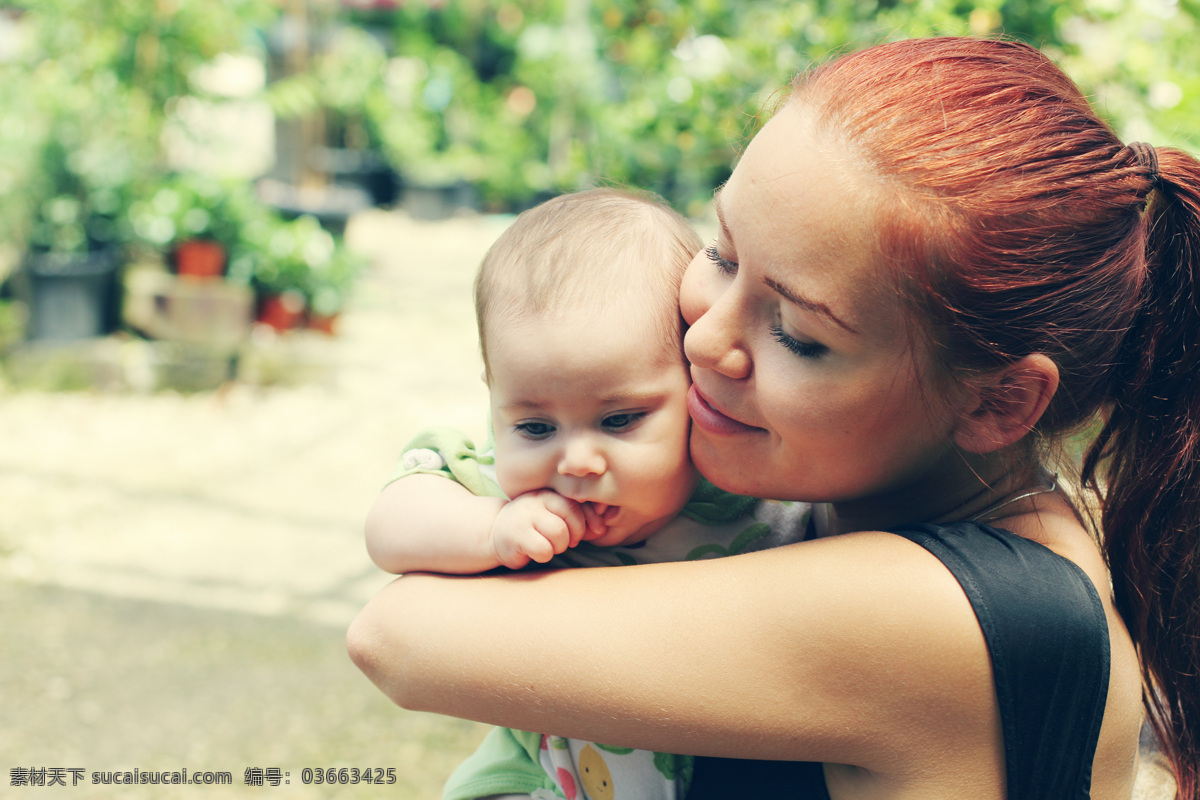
(1018, 223)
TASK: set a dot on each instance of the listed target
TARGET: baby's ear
(483, 377)
(1007, 405)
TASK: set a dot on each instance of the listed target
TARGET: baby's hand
(536, 526)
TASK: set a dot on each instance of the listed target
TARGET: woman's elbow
(376, 648)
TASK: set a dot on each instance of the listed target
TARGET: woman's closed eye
(800, 348)
(617, 423)
(534, 429)
(726, 265)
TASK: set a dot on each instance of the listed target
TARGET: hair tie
(1147, 156)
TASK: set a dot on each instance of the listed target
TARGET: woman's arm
(855, 649)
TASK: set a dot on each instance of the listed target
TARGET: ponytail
(1146, 463)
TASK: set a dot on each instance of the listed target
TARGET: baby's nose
(581, 457)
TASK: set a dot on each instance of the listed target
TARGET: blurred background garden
(143, 139)
(237, 240)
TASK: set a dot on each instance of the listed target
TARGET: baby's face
(595, 408)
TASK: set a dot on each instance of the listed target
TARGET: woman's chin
(724, 469)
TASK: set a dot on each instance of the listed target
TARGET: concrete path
(177, 572)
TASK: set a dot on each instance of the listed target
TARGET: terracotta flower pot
(283, 311)
(200, 259)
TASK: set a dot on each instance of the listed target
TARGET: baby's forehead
(540, 365)
(653, 319)
(635, 331)
(604, 275)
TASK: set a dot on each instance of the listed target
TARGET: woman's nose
(581, 458)
(715, 340)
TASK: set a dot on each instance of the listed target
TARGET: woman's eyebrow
(795, 297)
(810, 305)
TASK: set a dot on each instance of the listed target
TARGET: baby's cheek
(513, 474)
(669, 474)
(692, 297)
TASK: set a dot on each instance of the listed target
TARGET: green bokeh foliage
(520, 99)
(544, 96)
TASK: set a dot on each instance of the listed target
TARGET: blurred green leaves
(528, 98)
(299, 256)
(518, 99)
(83, 96)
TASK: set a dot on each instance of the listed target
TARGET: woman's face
(806, 383)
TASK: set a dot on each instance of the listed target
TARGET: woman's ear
(1007, 405)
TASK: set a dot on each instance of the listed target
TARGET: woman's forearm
(534, 651)
(770, 655)
(453, 645)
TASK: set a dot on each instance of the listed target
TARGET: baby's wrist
(499, 544)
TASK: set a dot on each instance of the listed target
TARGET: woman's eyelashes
(728, 266)
(802, 349)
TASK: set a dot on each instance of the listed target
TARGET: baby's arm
(426, 523)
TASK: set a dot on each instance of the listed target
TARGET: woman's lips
(712, 420)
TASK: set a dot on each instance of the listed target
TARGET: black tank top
(1048, 640)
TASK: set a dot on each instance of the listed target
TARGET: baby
(579, 326)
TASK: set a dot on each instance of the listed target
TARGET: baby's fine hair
(593, 249)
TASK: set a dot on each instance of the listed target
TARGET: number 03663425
(348, 775)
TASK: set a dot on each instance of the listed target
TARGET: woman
(934, 262)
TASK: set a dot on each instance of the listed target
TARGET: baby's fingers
(571, 514)
(596, 526)
(537, 546)
(555, 534)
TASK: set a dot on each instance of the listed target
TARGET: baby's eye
(534, 430)
(616, 423)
